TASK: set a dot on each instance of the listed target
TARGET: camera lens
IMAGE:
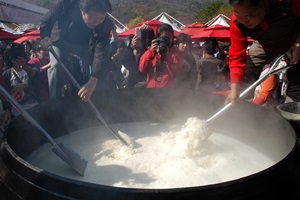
(163, 45)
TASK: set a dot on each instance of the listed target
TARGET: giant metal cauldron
(265, 130)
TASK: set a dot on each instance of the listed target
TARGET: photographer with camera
(162, 62)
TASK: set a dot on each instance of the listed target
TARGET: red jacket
(274, 34)
(158, 76)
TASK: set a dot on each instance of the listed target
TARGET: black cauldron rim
(228, 190)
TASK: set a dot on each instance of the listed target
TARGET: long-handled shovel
(65, 153)
(76, 84)
(251, 87)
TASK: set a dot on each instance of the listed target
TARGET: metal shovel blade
(72, 158)
(65, 153)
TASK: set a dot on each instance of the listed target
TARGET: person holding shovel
(83, 28)
(275, 27)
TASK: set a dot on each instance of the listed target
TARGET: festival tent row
(216, 28)
(155, 22)
(152, 23)
(200, 32)
(18, 11)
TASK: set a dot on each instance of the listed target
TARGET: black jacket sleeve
(53, 15)
(99, 48)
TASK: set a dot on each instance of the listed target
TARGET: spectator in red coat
(162, 62)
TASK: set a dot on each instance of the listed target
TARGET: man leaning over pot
(275, 27)
(84, 30)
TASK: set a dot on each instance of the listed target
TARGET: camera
(163, 43)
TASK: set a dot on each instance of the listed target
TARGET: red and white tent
(217, 31)
(32, 35)
(193, 29)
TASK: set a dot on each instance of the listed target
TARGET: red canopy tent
(4, 35)
(193, 29)
(152, 23)
(217, 31)
(32, 35)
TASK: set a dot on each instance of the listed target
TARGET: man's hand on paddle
(233, 94)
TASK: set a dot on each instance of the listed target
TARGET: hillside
(125, 10)
(183, 11)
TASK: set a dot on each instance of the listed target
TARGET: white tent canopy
(26, 27)
(4, 27)
(19, 11)
(219, 19)
(168, 19)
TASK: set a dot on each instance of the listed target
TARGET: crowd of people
(98, 59)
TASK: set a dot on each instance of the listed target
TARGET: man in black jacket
(84, 30)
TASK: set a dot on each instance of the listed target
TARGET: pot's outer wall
(265, 130)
